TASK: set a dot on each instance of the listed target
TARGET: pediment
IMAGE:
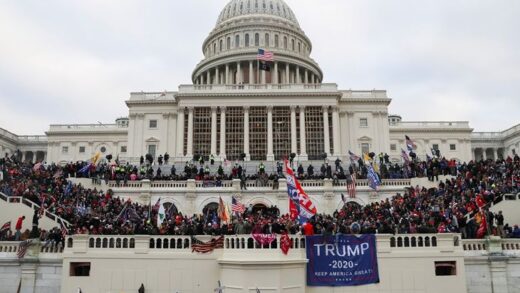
(152, 139)
(365, 138)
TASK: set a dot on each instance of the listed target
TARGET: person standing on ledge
(18, 227)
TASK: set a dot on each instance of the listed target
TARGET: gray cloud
(77, 61)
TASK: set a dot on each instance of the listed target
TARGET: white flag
(161, 215)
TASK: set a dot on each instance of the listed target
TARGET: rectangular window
(393, 147)
(453, 147)
(363, 122)
(153, 124)
(152, 149)
(123, 148)
(202, 131)
(258, 133)
(365, 148)
(81, 149)
(445, 268)
(65, 150)
(435, 146)
(79, 269)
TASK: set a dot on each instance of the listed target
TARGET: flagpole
(257, 71)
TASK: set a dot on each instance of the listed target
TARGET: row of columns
(215, 77)
(270, 149)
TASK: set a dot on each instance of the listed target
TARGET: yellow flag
(366, 157)
(95, 158)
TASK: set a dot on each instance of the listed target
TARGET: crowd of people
(457, 205)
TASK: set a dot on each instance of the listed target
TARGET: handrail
(32, 205)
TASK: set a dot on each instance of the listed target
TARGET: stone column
(239, 73)
(262, 75)
(166, 146)
(189, 151)
(270, 154)
(274, 80)
(326, 135)
(209, 76)
(294, 147)
(251, 77)
(495, 153)
(306, 77)
(222, 133)
(227, 74)
(217, 76)
(303, 142)
(298, 80)
(498, 268)
(336, 131)
(214, 130)
(287, 79)
(28, 269)
(246, 133)
(180, 133)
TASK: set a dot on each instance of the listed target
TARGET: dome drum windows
(257, 39)
(247, 40)
(266, 41)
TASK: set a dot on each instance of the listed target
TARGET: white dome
(237, 8)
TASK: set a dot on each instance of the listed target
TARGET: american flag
(410, 144)
(205, 247)
(6, 226)
(351, 186)
(353, 156)
(237, 206)
(22, 248)
(265, 55)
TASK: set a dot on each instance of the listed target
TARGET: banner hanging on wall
(344, 260)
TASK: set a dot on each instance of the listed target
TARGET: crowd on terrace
(456, 205)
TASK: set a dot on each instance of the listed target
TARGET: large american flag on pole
(22, 248)
(237, 206)
(265, 55)
(5, 227)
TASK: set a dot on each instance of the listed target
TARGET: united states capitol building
(235, 111)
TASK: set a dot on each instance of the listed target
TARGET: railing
(257, 184)
(9, 246)
(474, 245)
(32, 205)
(55, 127)
(410, 241)
(442, 124)
(257, 87)
(496, 135)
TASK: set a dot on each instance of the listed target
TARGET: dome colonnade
(244, 26)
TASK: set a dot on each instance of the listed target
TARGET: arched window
(214, 48)
(237, 41)
(266, 41)
(247, 40)
(299, 47)
(257, 40)
(228, 43)
(292, 45)
(285, 43)
(210, 208)
(276, 41)
(220, 46)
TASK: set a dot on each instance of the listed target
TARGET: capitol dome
(242, 28)
(237, 8)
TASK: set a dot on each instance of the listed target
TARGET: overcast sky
(77, 61)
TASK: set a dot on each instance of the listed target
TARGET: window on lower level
(65, 150)
(123, 148)
(363, 122)
(81, 149)
(393, 147)
(445, 268)
(435, 146)
(79, 269)
(453, 147)
(153, 124)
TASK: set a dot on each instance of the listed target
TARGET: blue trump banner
(341, 260)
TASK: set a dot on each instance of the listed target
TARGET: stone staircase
(13, 207)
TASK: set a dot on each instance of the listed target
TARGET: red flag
(482, 229)
(285, 243)
(480, 201)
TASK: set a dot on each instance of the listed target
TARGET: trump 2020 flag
(296, 193)
(373, 180)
